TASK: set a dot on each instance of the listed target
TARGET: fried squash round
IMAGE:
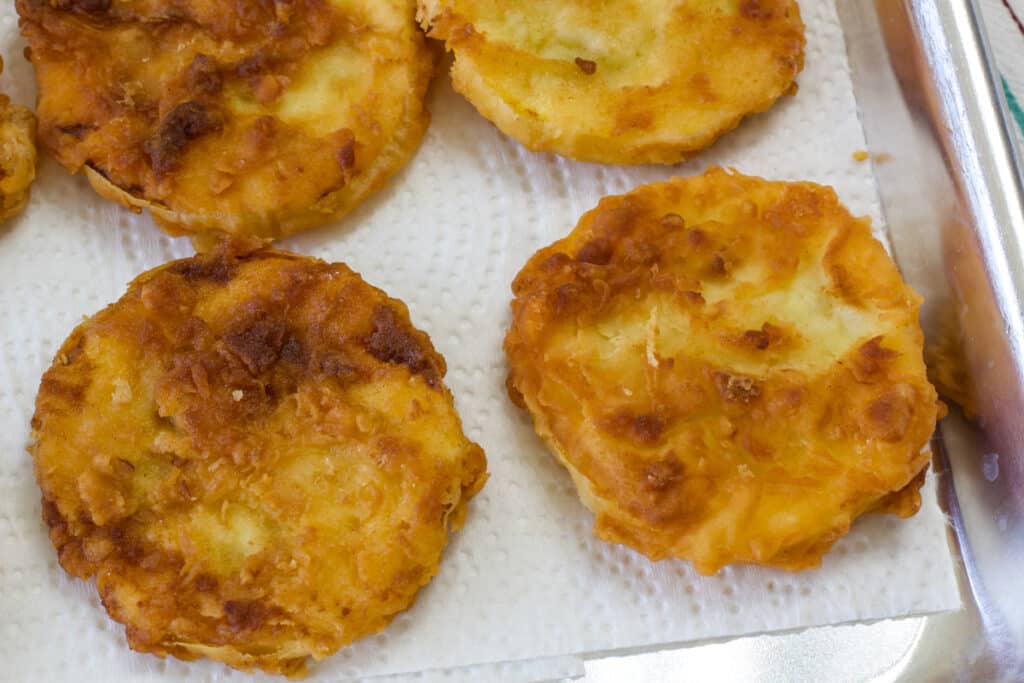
(246, 117)
(730, 369)
(17, 156)
(626, 82)
(254, 454)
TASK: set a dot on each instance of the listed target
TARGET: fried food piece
(17, 156)
(948, 368)
(730, 369)
(627, 82)
(254, 454)
(244, 117)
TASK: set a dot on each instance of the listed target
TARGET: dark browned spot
(346, 150)
(206, 583)
(338, 367)
(873, 350)
(258, 346)
(393, 342)
(294, 352)
(244, 615)
(127, 547)
(202, 76)
(718, 267)
(72, 393)
(586, 66)
(514, 394)
(644, 429)
(697, 237)
(888, 417)
(694, 297)
(648, 428)
(184, 492)
(556, 261)
(83, 6)
(630, 120)
(761, 339)
(845, 285)
(267, 88)
(198, 268)
(77, 130)
(252, 65)
(184, 123)
(757, 9)
(701, 85)
(597, 252)
(614, 222)
(51, 515)
(661, 475)
(870, 362)
(737, 388)
(566, 297)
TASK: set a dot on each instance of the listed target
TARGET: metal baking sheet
(952, 188)
(952, 196)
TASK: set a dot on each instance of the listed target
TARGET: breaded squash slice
(244, 118)
(730, 369)
(623, 82)
(255, 456)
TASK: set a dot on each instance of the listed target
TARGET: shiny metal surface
(954, 200)
(953, 196)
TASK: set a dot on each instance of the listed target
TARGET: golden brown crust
(947, 364)
(730, 368)
(230, 116)
(254, 454)
(17, 156)
(648, 81)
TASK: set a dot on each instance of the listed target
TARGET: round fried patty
(17, 156)
(244, 117)
(730, 368)
(627, 82)
(254, 454)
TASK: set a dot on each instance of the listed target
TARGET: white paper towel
(525, 578)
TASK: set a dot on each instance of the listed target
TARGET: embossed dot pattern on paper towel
(525, 578)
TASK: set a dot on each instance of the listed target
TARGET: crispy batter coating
(17, 156)
(246, 117)
(254, 454)
(730, 368)
(626, 82)
(947, 364)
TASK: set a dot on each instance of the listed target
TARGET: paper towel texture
(525, 578)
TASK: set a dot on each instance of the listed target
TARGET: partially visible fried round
(730, 368)
(625, 82)
(17, 156)
(244, 117)
(254, 454)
